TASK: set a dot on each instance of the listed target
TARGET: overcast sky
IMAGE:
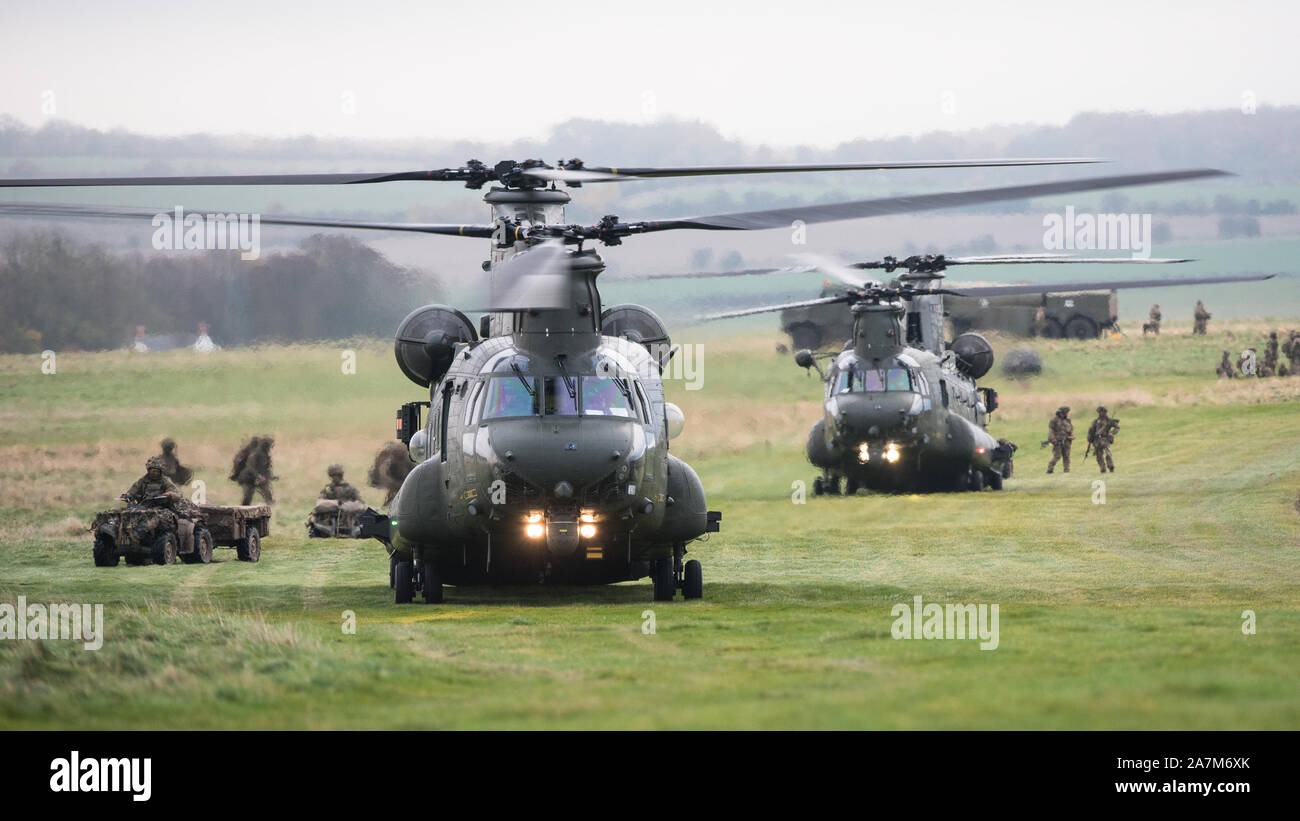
(800, 72)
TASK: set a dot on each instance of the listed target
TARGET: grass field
(1122, 615)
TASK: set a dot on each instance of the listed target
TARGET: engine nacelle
(425, 340)
(974, 355)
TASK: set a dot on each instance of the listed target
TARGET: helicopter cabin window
(643, 402)
(603, 396)
(472, 403)
(863, 380)
(560, 395)
(507, 396)
(442, 422)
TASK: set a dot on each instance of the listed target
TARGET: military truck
(1073, 314)
(152, 531)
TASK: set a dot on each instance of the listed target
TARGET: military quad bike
(331, 518)
(151, 531)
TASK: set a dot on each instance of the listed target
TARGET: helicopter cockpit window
(863, 380)
(558, 401)
(509, 396)
(606, 397)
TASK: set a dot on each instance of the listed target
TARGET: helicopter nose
(565, 455)
(878, 414)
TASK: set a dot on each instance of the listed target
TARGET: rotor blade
(886, 206)
(826, 300)
(536, 279)
(1100, 285)
(574, 175)
(354, 178)
(127, 212)
(1058, 259)
(715, 170)
(836, 269)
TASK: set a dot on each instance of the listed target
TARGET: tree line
(63, 294)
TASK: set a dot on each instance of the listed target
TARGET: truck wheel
(105, 552)
(202, 553)
(432, 583)
(403, 583)
(1054, 329)
(693, 580)
(249, 548)
(806, 335)
(1081, 327)
(164, 549)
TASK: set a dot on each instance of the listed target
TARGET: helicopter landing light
(864, 453)
(534, 530)
(587, 531)
(891, 453)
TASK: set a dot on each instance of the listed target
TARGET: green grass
(1123, 615)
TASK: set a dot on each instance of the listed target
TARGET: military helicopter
(544, 454)
(902, 410)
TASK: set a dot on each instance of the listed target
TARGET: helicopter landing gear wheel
(693, 580)
(995, 480)
(819, 489)
(403, 583)
(850, 486)
(661, 573)
(392, 571)
(977, 480)
(431, 583)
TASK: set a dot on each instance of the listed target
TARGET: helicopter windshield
(605, 397)
(557, 398)
(860, 380)
(510, 396)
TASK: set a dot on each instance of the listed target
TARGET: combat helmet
(335, 470)
(1101, 409)
(155, 463)
(168, 443)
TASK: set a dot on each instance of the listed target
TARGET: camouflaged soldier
(255, 473)
(1271, 353)
(152, 483)
(1200, 318)
(1152, 325)
(1291, 350)
(337, 489)
(1101, 435)
(1225, 369)
(172, 467)
(1060, 433)
(392, 464)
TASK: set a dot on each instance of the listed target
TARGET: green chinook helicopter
(544, 454)
(902, 410)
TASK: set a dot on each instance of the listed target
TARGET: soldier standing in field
(1101, 435)
(172, 467)
(1060, 433)
(1200, 317)
(1225, 369)
(392, 464)
(255, 471)
(1040, 321)
(1270, 353)
(1153, 324)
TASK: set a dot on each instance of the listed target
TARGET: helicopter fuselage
(896, 417)
(546, 458)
